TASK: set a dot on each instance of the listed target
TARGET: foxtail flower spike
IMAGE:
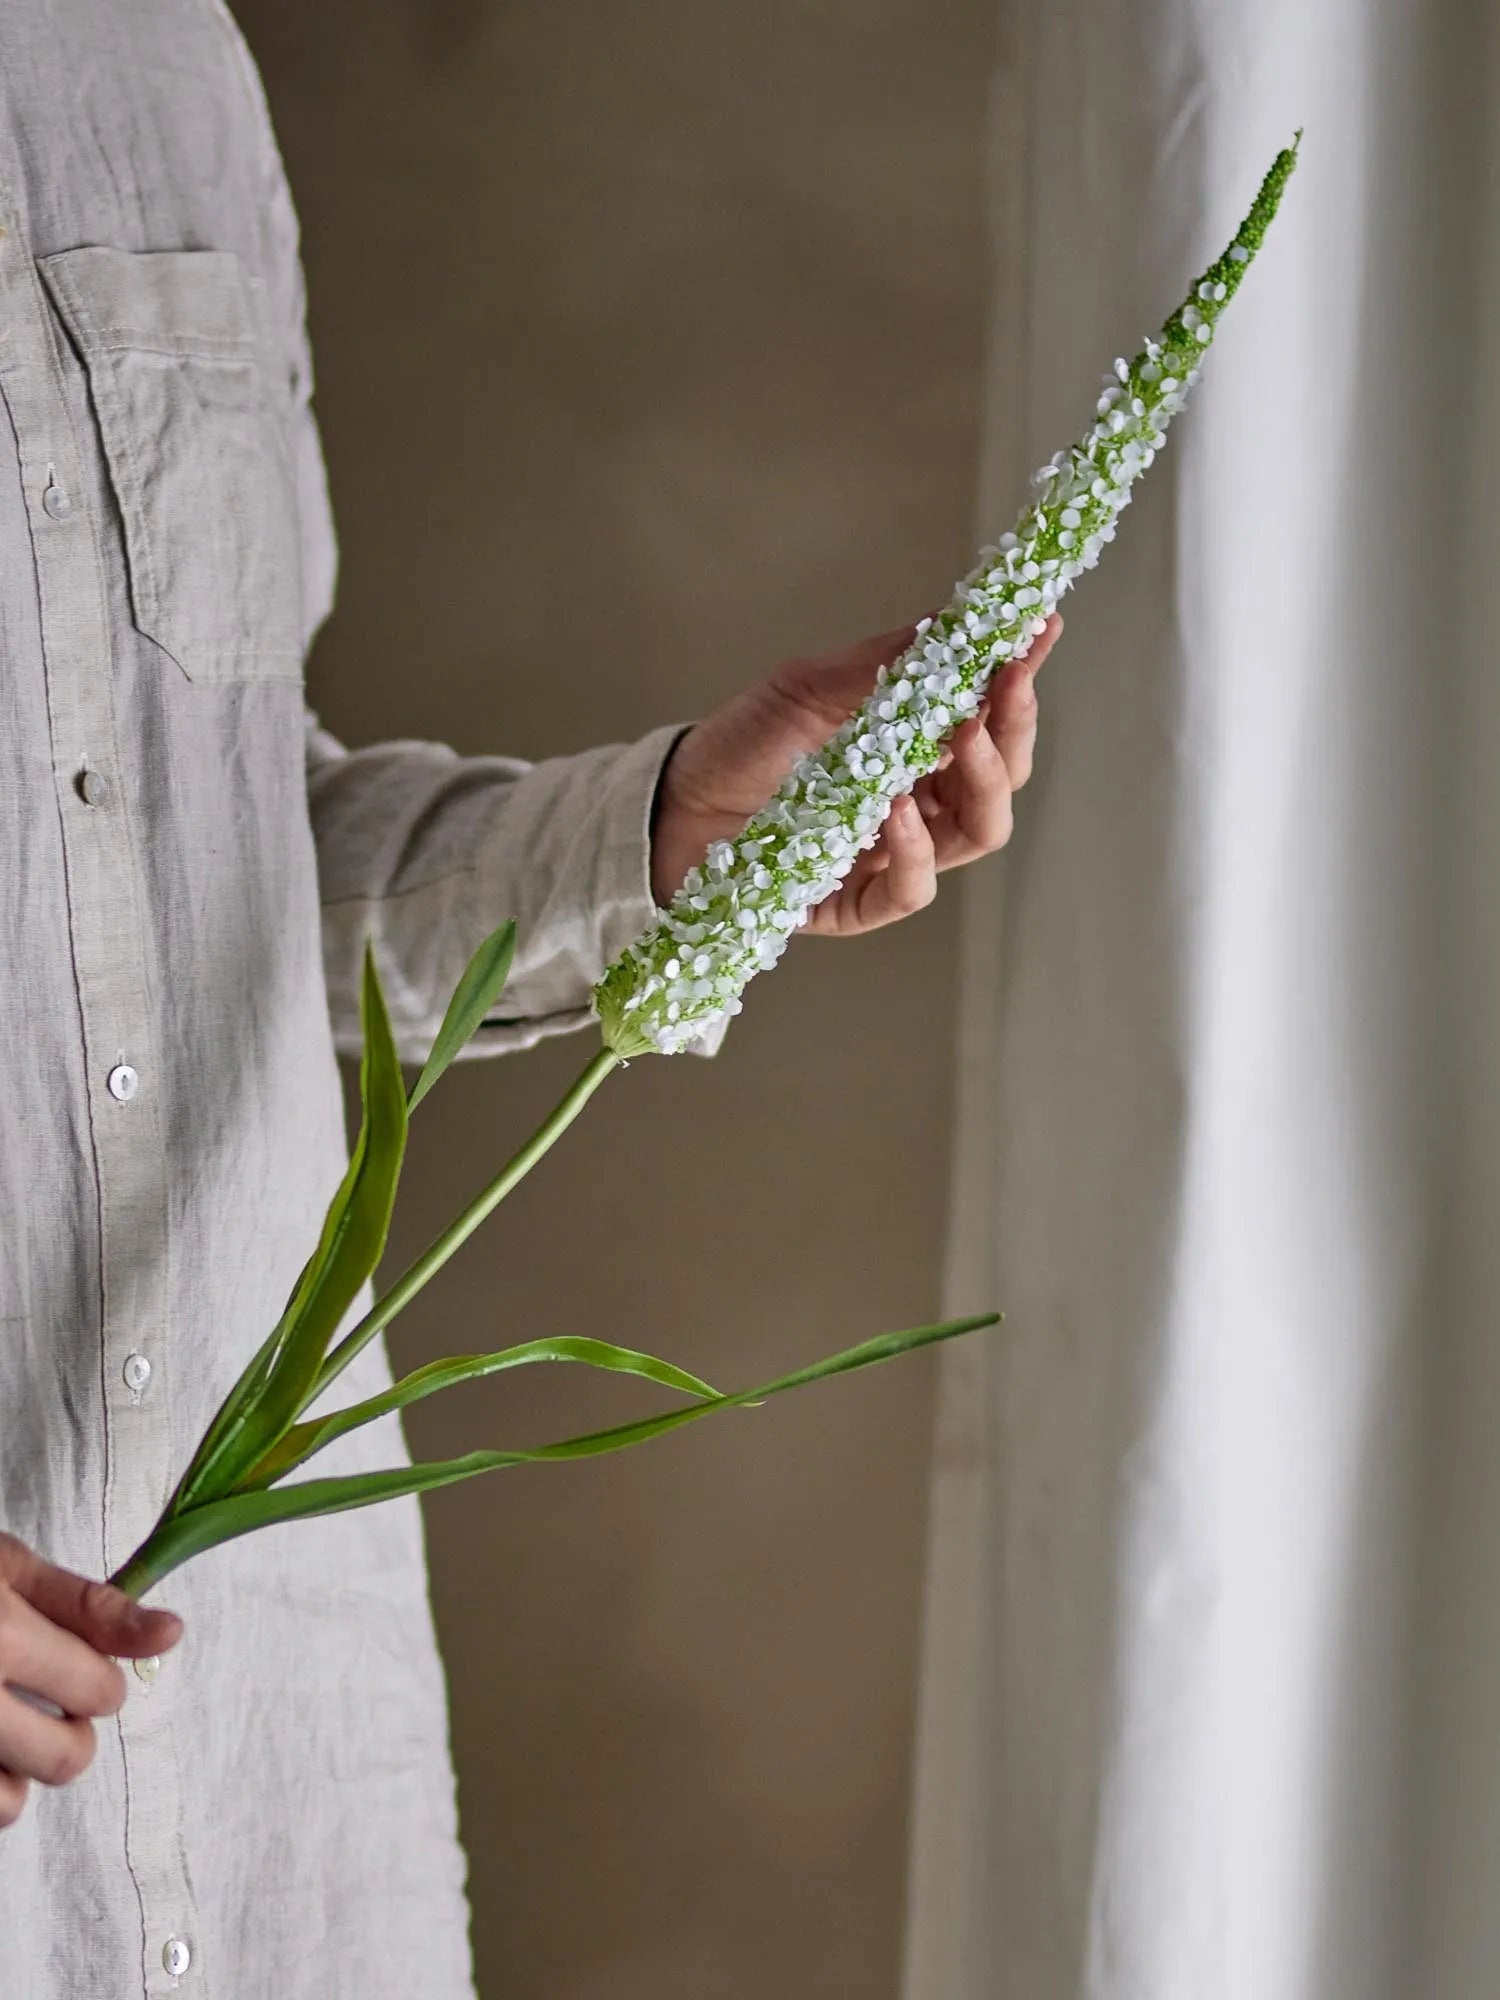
(734, 915)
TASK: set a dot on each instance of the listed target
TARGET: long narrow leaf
(229, 1415)
(349, 1248)
(302, 1440)
(473, 998)
(216, 1521)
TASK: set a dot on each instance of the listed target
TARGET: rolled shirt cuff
(569, 855)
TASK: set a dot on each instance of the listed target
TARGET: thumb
(841, 680)
(105, 1617)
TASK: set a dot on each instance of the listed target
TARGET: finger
(110, 1621)
(1012, 724)
(836, 916)
(52, 1749)
(909, 881)
(46, 1660)
(1043, 643)
(873, 861)
(1014, 736)
(980, 819)
(13, 1792)
(840, 681)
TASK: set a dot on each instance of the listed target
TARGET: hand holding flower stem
(812, 849)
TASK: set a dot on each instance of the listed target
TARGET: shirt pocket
(195, 439)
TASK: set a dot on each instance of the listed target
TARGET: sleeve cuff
(578, 828)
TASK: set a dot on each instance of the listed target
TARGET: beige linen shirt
(188, 865)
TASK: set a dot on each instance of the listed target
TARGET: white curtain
(1211, 1696)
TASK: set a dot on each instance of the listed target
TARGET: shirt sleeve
(425, 852)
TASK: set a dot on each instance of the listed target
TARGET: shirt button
(146, 1670)
(176, 1957)
(56, 502)
(137, 1372)
(92, 788)
(123, 1082)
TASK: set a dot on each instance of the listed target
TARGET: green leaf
(229, 1415)
(231, 1411)
(270, 1393)
(473, 998)
(302, 1440)
(203, 1527)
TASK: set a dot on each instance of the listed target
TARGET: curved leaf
(475, 994)
(302, 1440)
(203, 1527)
(268, 1395)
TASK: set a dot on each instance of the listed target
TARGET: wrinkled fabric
(189, 865)
(1213, 1637)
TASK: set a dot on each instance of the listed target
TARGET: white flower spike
(733, 916)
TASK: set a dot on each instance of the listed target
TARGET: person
(191, 864)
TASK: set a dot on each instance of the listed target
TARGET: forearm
(424, 851)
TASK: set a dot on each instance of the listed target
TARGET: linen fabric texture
(1213, 1634)
(191, 865)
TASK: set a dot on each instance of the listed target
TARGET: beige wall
(682, 297)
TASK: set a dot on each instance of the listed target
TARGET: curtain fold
(1211, 1691)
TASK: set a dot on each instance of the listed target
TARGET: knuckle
(112, 1690)
(71, 1756)
(96, 1601)
(98, 1613)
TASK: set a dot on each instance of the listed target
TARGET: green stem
(140, 1572)
(463, 1226)
(138, 1575)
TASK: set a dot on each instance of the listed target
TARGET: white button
(176, 1957)
(123, 1082)
(56, 502)
(137, 1372)
(91, 788)
(146, 1670)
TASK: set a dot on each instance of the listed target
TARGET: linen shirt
(188, 867)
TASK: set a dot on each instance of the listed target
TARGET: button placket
(105, 915)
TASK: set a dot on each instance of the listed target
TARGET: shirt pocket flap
(194, 427)
(187, 302)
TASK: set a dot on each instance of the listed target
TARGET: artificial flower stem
(138, 1575)
(734, 914)
(437, 1253)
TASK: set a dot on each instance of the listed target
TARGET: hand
(728, 766)
(57, 1632)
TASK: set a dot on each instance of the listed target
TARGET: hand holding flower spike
(733, 915)
(730, 919)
